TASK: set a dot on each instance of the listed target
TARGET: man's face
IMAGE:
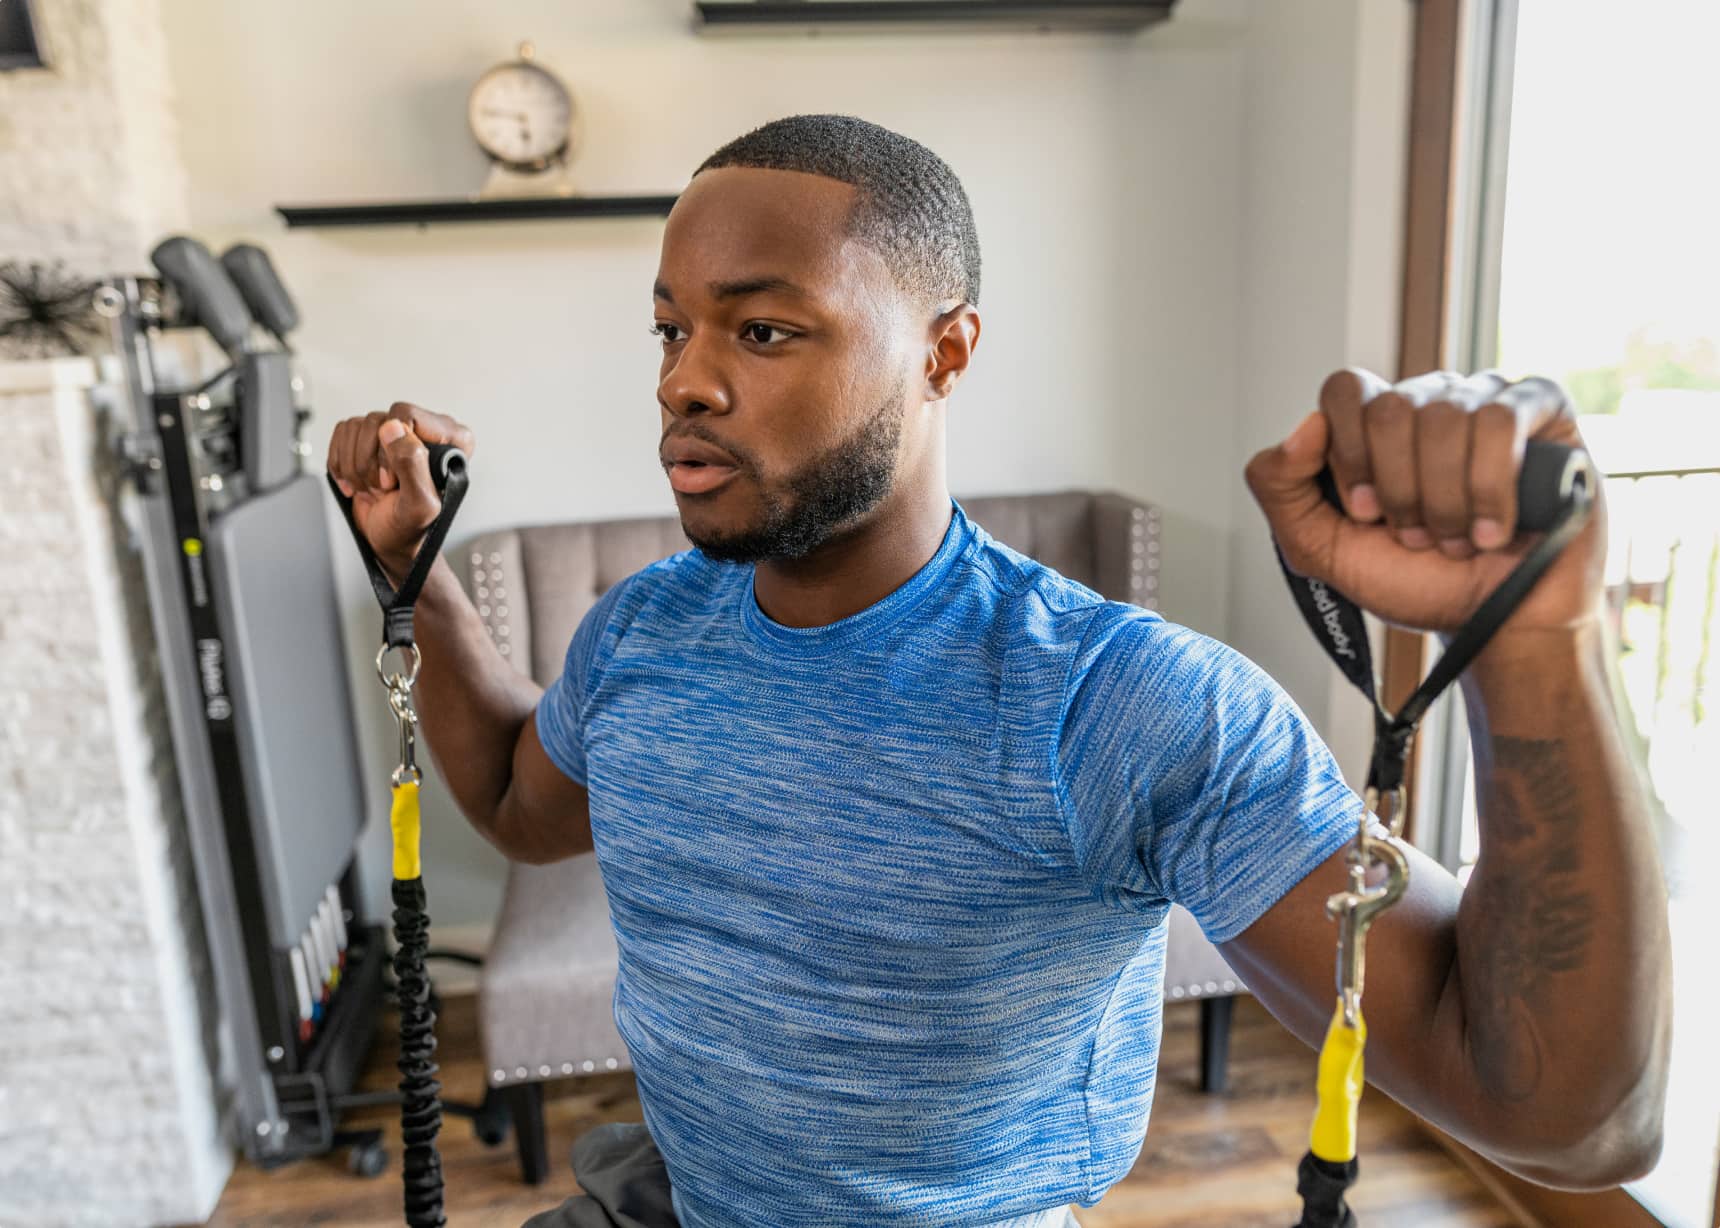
(786, 364)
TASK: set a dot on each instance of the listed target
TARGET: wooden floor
(1225, 1161)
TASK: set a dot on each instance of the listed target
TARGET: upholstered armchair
(547, 982)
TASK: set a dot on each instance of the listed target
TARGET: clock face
(520, 115)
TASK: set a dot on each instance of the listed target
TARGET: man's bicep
(1288, 959)
(545, 815)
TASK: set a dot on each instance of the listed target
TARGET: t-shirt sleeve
(1189, 775)
(561, 709)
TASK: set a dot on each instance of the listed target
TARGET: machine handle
(208, 294)
(254, 275)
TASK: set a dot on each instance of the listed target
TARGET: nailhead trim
(1145, 522)
(1209, 989)
(501, 1075)
(491, 594)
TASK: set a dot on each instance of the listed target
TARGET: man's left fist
(1427, 470)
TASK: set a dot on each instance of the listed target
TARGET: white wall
(1110, 177)
(1324, 125)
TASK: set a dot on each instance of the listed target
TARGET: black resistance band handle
(448, 473)
(1551, 476)
(1555, 489)
(447, 461)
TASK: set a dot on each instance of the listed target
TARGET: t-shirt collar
(875, 618)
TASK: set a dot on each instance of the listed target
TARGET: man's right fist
(381, 462)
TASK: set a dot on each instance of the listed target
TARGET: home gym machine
(240, 577)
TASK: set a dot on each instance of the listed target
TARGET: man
(889, 816)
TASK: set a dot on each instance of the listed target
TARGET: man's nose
(696, 383)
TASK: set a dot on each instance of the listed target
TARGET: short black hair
(911, 208)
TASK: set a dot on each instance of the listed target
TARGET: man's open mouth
(690, 477)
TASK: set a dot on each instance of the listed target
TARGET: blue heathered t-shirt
(890, 893)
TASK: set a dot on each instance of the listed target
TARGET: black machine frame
(294, 1072)
(184, 470)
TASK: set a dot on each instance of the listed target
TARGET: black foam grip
(208, 294)
(445, 461)
(253, 273)
(1552, 475)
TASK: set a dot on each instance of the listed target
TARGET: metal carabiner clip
(400, 700)
(408, 722)
(405, 717)
(1359, 907)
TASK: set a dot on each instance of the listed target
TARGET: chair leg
(1215, 1016)
(525, 1102)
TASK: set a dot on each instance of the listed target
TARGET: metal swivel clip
(1357, 909)
(405, 716)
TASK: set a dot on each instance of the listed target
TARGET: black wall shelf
(761, 16)
(504, 209)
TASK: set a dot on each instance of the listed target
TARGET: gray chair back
(532, 585)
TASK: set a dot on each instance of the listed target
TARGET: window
(1594, 248)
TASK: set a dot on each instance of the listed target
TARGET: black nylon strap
(1335, 620)
(448, 472)
(1474, 634)
(1556, 490)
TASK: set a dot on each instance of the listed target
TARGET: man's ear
(951, 342)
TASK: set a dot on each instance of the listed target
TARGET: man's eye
(668, 332)
(761, 333)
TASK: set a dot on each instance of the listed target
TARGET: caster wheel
(368, 1159)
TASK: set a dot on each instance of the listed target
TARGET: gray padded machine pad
(287, 673)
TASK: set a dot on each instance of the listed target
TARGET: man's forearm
(471, 703)
(1562, 947)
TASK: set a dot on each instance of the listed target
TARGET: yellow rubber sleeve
(403, 818)
(1333, 1137)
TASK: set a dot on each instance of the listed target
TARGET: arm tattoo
(1534, 919)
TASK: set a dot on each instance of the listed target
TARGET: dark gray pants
(625, 1183)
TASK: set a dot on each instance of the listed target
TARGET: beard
(811, 506)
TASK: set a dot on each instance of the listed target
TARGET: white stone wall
(107, 1089)
(90, 167)
(107, 1102)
